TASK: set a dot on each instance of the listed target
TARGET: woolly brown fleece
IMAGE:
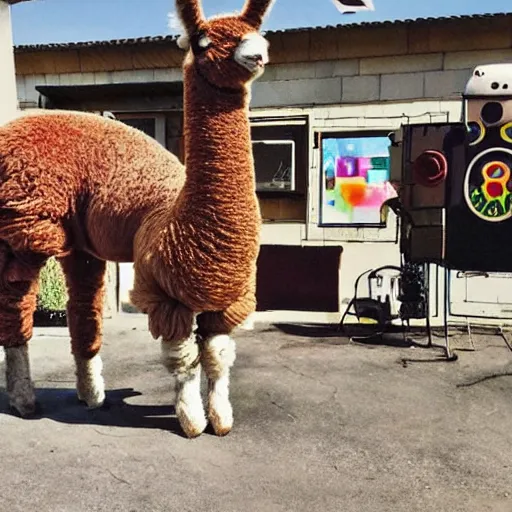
(72, 183)
(85, 281)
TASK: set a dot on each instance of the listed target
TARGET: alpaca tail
(167, 318)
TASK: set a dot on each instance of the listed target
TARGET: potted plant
(52, 297)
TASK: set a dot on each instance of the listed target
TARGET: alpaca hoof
(192, 422)
(90, 385)
(24, 410)
(23, 400)
(93, 399)
(220, 414)
(220, 427)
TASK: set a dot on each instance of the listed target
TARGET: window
(151, 124)
(355, 178)
(144, 124)
(274, 164)
(280, 151)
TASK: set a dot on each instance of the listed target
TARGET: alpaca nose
(260, 58)
(255, 47)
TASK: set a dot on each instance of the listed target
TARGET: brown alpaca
(87, 189)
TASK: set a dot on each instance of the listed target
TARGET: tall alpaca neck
(218, 153)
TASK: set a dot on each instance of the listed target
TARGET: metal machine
(456, 183)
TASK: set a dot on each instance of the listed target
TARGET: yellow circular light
(506, 132)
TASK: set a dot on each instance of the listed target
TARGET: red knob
(430, 168)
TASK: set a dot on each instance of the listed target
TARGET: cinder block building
(325, 104)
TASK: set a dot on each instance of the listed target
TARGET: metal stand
(505, 339)
(384, 323)
(450, 356)
(470, 336)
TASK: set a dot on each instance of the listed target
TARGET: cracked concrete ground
(321, 424)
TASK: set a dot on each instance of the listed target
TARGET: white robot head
(490, 80)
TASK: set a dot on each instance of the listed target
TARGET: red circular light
(494, 189)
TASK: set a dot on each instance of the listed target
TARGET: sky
(58, 21)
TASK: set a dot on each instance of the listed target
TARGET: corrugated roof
(171, 39)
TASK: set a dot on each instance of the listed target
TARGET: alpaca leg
(20, 387)
(85, 277)
(218, 355)
(18, 297)
(182, 360)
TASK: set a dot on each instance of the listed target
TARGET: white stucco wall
(8, 100)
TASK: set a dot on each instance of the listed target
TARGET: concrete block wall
(439, 75)
(328, 82)
(28, 95)
(363, 247)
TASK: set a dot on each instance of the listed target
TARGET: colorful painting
(355, 180)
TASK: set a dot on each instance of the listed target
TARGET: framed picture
(354, 178)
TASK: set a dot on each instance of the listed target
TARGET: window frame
(282, 128)
(341, 134)
(292, 181)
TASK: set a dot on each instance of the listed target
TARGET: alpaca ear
(190, 14)
(254, 11)
(183, 42)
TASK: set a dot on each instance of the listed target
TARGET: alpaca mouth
(254, 64)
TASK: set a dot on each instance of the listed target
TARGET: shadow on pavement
(63, 406)
(332, 335)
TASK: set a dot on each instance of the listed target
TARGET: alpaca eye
(200, 42)
(203, 42)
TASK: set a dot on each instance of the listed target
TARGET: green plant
(52, 287)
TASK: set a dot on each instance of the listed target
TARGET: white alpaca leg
(182, 361)
(218, 355)
(19, 384)
(90, 386)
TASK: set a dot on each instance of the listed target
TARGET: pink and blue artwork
(355, 179)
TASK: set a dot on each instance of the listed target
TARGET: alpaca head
(227, 51)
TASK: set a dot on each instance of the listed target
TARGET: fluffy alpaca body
(75, 186)
(87, 189)
(72, 180)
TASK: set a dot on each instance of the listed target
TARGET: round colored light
(506, 132)
(494, 189)
(495, 170)
(476, 132)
